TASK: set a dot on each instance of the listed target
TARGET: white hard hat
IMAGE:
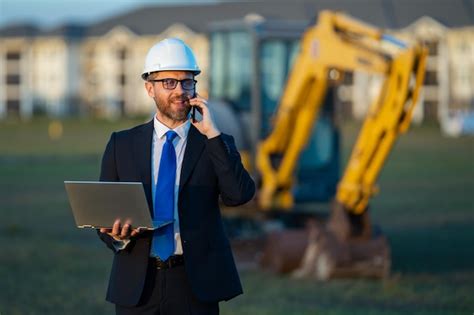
(170, 54)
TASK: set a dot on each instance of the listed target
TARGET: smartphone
(193, 110)
(193, 113)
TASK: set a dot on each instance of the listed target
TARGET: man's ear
(150, 90)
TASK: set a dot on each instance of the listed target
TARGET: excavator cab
(250, 63)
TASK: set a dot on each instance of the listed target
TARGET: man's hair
(151, 76)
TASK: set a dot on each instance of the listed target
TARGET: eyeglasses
(171, 84)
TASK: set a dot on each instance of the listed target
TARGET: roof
(19, 30)
(451, 13)
(67, 30)
(155, 19)
(147, 20)
(382, 13)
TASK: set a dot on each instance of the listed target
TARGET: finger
(201, 107)
(198, 101)
(125, 231)
(204, 108)
(195, 103)
(137, 231)
(197, 106)
(116, 227)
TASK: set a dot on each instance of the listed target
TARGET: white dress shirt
(179, 142)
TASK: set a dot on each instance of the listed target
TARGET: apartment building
(95, 69)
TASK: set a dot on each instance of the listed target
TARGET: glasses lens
(188, 84)
(170, 83)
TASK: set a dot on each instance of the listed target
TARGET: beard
(166, 108)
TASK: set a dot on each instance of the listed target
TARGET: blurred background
(70, 75)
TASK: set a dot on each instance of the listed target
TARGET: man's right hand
(120, 233)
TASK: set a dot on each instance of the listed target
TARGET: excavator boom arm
(340, 43)
(388, 117)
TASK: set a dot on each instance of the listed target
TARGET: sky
(50, 13)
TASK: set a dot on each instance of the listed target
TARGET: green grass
(426, 207)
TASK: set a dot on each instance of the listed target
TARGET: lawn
(426, 207)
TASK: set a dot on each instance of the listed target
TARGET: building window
(431, 110)
(348, 78)
(121, 106)
(13, 55)
(431, 78)
(122, 79)
(13, 106)
(13, 79)
(122, 54)
(432, 48)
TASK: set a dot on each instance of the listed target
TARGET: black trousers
(167, 292)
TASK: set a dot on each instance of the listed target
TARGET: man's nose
(179, 88)
(182, 92)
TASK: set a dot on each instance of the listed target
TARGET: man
(185, 267)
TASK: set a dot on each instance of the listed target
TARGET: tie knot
(170, 135)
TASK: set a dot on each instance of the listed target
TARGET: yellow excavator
(288, 148)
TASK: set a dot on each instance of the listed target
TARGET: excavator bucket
(328, 250)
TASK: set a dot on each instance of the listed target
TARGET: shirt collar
(160, 129)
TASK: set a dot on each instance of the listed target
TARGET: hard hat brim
(145, 74)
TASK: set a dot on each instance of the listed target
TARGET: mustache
(183, 98)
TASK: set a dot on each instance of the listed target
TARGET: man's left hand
(206, 126)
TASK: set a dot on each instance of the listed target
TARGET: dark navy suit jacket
(211, 168)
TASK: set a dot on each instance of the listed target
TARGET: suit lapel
(194, 147)
(142, 154)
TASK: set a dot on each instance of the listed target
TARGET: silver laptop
(99, 204)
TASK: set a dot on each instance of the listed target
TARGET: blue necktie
(163, 238)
